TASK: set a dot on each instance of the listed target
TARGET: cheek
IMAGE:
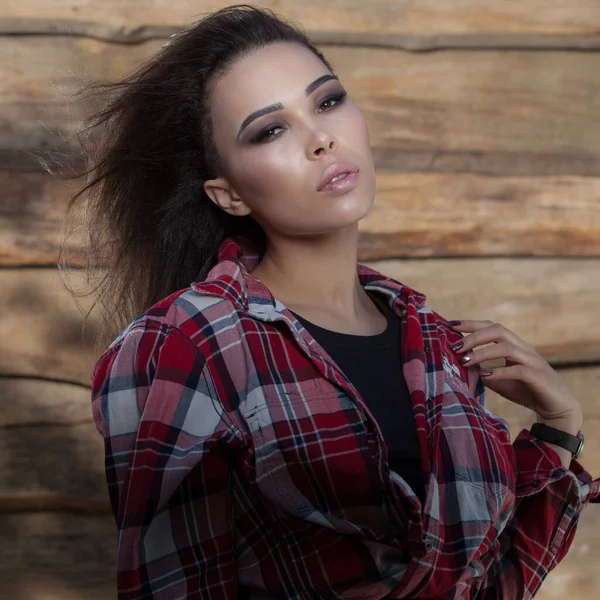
(269, 173)
(357, 129)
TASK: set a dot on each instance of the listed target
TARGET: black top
(373, 364)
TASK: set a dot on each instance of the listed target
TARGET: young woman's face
(274, 163)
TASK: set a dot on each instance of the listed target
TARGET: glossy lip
(342, 185)
(336, 169)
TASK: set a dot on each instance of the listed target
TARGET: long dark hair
(149, 227)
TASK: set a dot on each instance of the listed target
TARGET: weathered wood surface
(57, 556)
(495, 112)
(52, 456)
(42, 327)
(451, 214)
(548, 302)
(32, 214)
(414, 214)
(425, 25)
(41, 403)
(66, 557)
(53, 556)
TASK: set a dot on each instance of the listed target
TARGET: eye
(337, 98)
(264, 134)
(267, 135)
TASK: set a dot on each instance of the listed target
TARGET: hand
(527, 379)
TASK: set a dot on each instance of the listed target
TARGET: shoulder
(187, 317)
(177, 352)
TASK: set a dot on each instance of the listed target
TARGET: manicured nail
(486, 373)
(465, 359)
(457, 346)
(455, 323)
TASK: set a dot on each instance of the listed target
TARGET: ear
(224, 196)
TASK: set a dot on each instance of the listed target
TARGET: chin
(353, 208)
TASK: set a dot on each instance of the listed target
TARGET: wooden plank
(61, 556)
(53, 467)
(494, 112)
(464, 214)
(32, 214)
(39, 402)
(42, 327)
(52, 457)
(416, 26)
(54, 556)
(414, 215)
(51, 454)
(550, 303)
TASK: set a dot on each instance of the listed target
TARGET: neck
(316, 271)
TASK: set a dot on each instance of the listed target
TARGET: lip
(334, 170)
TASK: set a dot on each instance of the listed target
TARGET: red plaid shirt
(237, 453)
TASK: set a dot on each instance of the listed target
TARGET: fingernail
(465, 359)
(486, 373)
(455, 323)
(457, 346)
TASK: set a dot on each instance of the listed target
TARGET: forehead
(276, 73)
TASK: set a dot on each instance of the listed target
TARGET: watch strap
(546, 433)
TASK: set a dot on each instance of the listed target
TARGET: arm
(542, 525)
(167, 470)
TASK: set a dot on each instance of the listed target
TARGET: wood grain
(414, 215)
(425, 25)
(472, 215)
(496, 112)
(67, 556)
(53, 556)
(41, 327)
(53, 468)
(57, 556)
(40, 403)
(52, 456)
(550, 303)
(32, 219)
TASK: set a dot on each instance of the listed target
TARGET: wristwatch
(572, 443)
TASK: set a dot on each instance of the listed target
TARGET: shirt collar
(231, 278)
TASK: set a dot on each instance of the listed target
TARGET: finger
(505, 350)
(514, 372)
(494, 333)
(470, 325)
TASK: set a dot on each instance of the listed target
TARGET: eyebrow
(310, 88)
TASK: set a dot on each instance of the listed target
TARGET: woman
(280, 420)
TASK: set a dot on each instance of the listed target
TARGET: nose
(322, 142)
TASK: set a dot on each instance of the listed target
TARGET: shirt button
(427, 348)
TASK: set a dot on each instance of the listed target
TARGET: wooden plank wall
(484, 120)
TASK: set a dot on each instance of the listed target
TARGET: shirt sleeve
(542, 524)
(167, 443)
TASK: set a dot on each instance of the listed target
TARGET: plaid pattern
(237, 453)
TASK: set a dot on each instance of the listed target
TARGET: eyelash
(259, 137)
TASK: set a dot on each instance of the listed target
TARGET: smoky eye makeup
(265, 133)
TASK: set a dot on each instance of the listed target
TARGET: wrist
(571, 423)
